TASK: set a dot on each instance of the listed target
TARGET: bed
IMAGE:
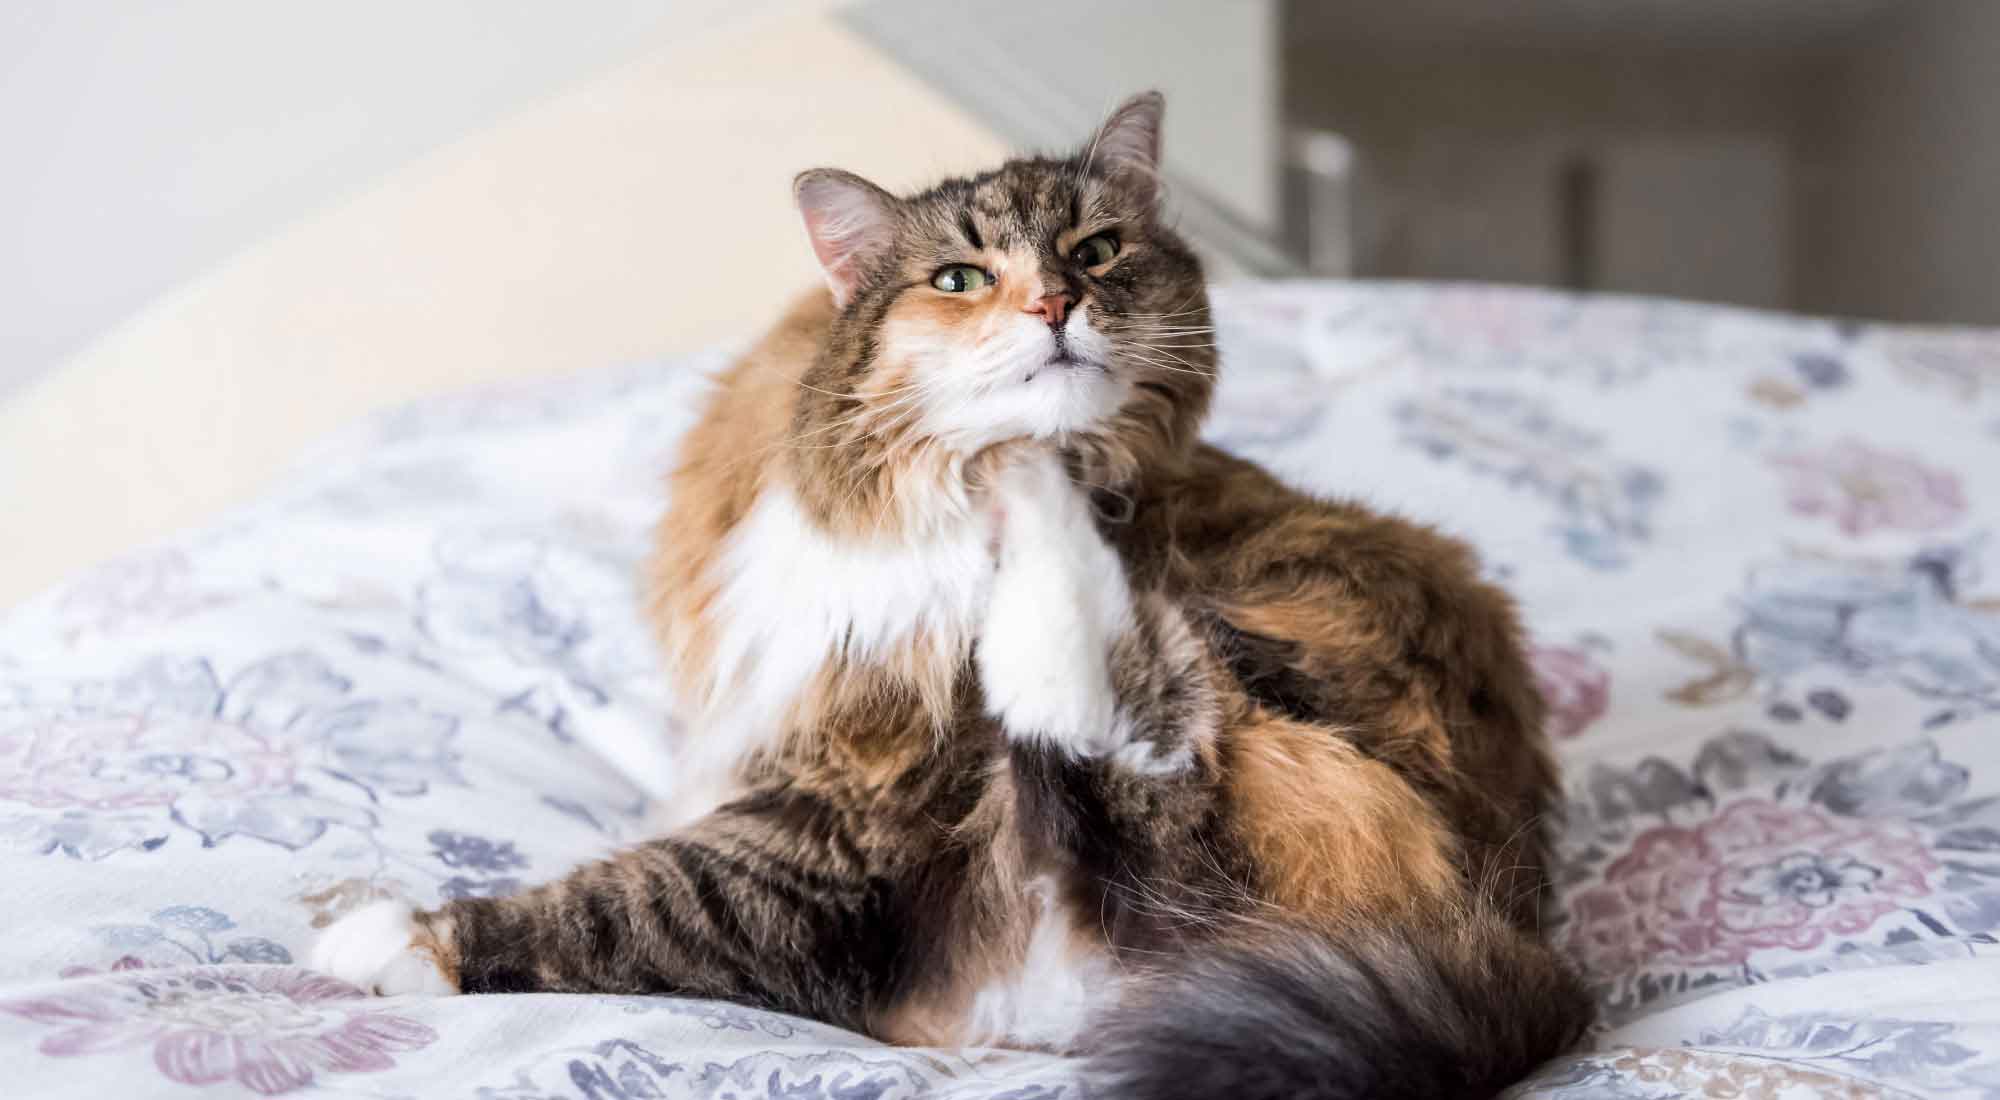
(1756, 554)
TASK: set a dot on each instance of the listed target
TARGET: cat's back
(1234, 526)
(752, 404)
(1375, 627)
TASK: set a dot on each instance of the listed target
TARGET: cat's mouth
(1063, 359)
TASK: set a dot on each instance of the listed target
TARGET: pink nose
(1052, 308)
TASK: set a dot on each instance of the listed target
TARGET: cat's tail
(1432, 1008)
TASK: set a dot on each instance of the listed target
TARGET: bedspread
(1756, 555)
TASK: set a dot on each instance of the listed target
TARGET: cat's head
(1044, 299)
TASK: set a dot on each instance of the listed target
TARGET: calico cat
(1025, 718)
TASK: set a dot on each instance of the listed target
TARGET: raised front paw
(383, 948)
(1042, 668)
(1059, 600)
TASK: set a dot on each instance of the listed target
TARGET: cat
(1022, 717)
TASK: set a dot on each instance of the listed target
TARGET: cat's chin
(1050, 402)
(1083, 405)
(1062, 364)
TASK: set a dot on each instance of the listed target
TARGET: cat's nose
(1052, 307)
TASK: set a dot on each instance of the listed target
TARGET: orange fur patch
(433, 937)
(1335, 836)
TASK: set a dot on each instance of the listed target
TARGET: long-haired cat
(1022, 717)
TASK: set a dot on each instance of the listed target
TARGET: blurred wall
(1828, 156)
(1905, 140)
(146, 142)
(1045, 72)
(1463, 151)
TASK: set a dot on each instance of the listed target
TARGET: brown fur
(1365, 763)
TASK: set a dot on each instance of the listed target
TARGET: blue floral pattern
(475, 852)
(1603, 505)
(179, 935)
(1755, 553)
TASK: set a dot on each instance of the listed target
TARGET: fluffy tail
(1425, 1009)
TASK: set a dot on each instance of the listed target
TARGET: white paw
(1043, 670)
(1059, 600)
(375, 948)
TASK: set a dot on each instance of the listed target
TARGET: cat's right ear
(852, 224)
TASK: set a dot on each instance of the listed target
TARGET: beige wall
(644, 212)
(145, 142)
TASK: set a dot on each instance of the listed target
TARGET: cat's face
(1042, 300)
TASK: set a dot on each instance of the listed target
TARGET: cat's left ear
(852, 224)
(1126, 149)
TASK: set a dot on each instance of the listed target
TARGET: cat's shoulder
(1230, 512)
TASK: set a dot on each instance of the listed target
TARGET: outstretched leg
(794, 898)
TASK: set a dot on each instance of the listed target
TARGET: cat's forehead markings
(1023, 208)
(1028, 206)
(996, 201)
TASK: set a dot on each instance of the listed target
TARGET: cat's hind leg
(386, 948)
(789, 898)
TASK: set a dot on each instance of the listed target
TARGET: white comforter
(1754, 553)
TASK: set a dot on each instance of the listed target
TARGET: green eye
(1095, 250)
(959, 278)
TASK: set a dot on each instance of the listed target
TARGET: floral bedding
(1756, 553)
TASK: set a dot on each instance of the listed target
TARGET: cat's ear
(1126, 149)
(852, 224)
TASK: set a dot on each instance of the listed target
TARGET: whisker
(1168, 350)
(1171, 369)
(799, 380)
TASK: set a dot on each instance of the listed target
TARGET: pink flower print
(1492, 319)
(127, 761)
(1575, 687)
(1865, 490)
(120, 763)
(1758, 875)
(271, 1030)
(123, 962)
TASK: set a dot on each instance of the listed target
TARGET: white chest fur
(791, 596)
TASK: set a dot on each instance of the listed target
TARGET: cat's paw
(1042, 669)
(1059, 600)
(382, 948)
